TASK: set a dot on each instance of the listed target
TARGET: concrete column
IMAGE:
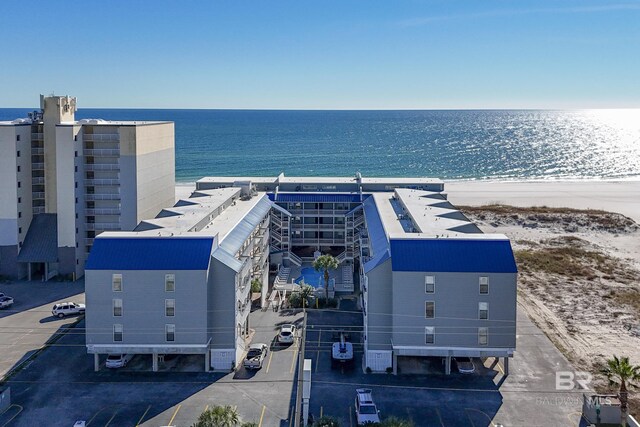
(155, 362)
(46, 272)
(207, 361)
(447, 365)
(29, 271)
(395, 363)
(96, 362)
(506, 366)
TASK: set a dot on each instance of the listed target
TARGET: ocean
(448, 144)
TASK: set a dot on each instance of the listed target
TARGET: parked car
(287, 334)
(67, 309)
(342, 352)
(118, 360)
(366, 410)
(5, 301)
(255, 356)
(465, 365)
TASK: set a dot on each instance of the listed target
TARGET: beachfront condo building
(65, 181)
(181, 283)
(429, 283)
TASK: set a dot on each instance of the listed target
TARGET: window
(18, 168)
(117, 307)
(170, 331)
(116, 282)
(483, 336)
(484, 285)
(19, 184)
(76, 154)
(429, 309)
(17, 137)
(18, 153)
(429, 335)
(75, 169)
(169, 282)
(75, 137)
(483, 310)
(19, 230)
(19, 199)
(117, 333)
(429, 284)
(170, 307)
(19, 214)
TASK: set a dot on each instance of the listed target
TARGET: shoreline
(619, 195)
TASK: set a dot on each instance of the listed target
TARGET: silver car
(256, 355)
(67, 309)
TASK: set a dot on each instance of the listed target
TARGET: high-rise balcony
(102, 167)
(37, 166)
(92, 197)
(102, 211)
(100, 137)
(102, 181)
(102, 226)
(105, 152)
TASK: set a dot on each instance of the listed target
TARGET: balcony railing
(102, 182)
(37, 150)
(107, 152)
(102, 226)
(102, 211)
(37, 195)
(37, 166)
(102, 167)
(38, 210)
(100, 137)
(37, 180)
(102, 196)
(37, 135)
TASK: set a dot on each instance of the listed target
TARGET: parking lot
(60, 386)
(428, 397)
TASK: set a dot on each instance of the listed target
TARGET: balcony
(38, 210)
(37, 150)
(37, 180)
(105, 152)
(102, 211)
(37, 195)
(102, 182)
(101, 137)
(102, 167)
(102, 226)
(102, 196)
(37, 136)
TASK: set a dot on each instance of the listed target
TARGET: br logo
(570, 380)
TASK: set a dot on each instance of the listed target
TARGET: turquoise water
(508, 144)
(311, 277)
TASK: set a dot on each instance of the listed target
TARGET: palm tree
(306, 292)
(325, 263)
(326, 422)
(218, 416)
(620, 371)
(396, 422)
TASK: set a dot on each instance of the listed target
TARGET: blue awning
(317, 197)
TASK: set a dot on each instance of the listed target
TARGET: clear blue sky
(339, 54)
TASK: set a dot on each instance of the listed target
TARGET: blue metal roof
(154, 253)
(317, 197)
(453, 255)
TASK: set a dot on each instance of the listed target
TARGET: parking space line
(15, 405)
(206, 408)
(321, 408)
(290, 415)
(500, 368)
(95, 415)
(439, 417)
(350, 417)
(317, 360)
(269, 362)
(143, 415)
(174, 414)
(491, 424)
(293, 360)
(112, 417)
(261, 415)
(319, 336)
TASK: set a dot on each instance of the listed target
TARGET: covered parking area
(411, 356)
(159, 356)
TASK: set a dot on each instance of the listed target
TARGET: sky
(322, 54)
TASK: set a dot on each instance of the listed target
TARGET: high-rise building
(63, 181)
